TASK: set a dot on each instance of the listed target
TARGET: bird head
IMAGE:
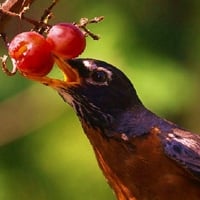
(98, 91)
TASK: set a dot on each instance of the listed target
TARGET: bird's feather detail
(183, 147)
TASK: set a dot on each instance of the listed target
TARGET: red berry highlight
(67, 40)
(31, 54)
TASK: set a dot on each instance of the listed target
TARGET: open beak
(71, 76)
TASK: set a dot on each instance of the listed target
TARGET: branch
(16, 6)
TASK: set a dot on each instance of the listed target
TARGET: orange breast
(138, 169)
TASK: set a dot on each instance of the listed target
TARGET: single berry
(67, 40)
(31, 54)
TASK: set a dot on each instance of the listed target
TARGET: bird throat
(87, 112)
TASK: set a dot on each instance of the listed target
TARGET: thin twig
(42, 25)
(83, 25)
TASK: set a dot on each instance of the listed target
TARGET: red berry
(31, 54)
(67, 40)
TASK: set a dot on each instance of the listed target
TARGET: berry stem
(39, 27)
(5, 68)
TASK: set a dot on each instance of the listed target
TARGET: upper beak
(71, 76)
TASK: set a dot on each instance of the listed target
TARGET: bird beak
(71, 76)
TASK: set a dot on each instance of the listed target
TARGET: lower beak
(71, 76)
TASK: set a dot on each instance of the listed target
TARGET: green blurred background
(44, 153)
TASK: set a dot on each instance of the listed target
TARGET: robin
(143, 156)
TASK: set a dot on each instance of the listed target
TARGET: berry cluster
(33, 54)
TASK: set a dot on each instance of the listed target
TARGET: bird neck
(138, 120)
(134, 121)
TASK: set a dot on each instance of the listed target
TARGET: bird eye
(99, 76)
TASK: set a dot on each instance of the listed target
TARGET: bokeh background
(44, 154)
